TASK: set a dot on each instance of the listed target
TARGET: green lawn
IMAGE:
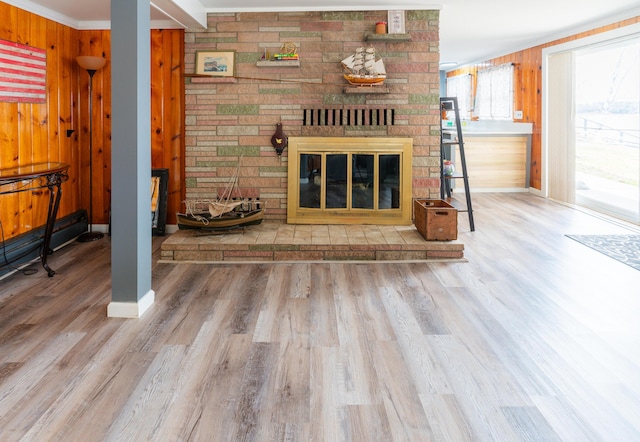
(608, 160)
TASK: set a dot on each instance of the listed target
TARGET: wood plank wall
(37, 132)
(167, 112)
(96, 43)
(528, 88)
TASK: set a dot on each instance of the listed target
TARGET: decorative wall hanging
(279, 139)
(396, 22)
(216, 63)
(23, 73)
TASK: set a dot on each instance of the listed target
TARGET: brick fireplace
(231, 120)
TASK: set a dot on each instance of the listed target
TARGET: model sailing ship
(364, 68)
(229, 211)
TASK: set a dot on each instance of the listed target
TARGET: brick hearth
(272, 241)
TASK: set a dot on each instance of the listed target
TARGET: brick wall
(232, 118)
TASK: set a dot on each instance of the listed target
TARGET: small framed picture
(396, 22)
(216, 63)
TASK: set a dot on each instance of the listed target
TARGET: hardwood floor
(536, 337)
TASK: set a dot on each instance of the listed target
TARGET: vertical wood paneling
(167, 111)
(102, 111)
(38, 132)
(166, 117)
(157, 103)
(95, 43)
(8, 132)
(174, 121)
(8, 157)
(54, 65)
(66, 43)
(25, 112)
(528, 89)
(32, 132)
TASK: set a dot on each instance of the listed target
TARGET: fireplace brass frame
(350, 145)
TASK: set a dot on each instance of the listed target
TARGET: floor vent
(349, 117)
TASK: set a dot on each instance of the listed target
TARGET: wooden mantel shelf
(366, 90)
(199, 78)
(387, 37)
(278, 63)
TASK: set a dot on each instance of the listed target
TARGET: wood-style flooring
(536, 337)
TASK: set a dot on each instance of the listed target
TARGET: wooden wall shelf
(366, 90)
(278, 63)
(370, 36)
(199, 78)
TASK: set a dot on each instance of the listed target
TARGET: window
(494, 93)
(460, 86)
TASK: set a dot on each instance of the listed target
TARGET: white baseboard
(102, 228)
(536, 192)
(171, 228)
(132, 310)
(492, 190)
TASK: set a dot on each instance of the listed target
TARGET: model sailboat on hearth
(364, 68)
(227, 212)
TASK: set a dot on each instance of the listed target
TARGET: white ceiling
(470, 30)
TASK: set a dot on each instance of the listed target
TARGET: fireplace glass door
(389, 179)
(362, 175)
(349, 184)
(336, 181)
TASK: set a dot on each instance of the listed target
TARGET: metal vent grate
(349, 117)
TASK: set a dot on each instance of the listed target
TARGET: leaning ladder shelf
(448, 104)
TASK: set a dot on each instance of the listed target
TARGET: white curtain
(494, 93)
(460, 86)
(561, 143)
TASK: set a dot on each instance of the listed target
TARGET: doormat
(624, 248)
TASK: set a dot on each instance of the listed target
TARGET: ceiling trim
(604, 21)
(342, 8)
(189, 13)
(44, 12)
(186, 20)
(106, 25)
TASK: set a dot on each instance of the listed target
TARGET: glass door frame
(558, 112)
(349, 146)
(603, 189)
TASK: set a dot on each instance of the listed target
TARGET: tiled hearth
(273, 241)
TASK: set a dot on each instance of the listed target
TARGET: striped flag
(23, 73)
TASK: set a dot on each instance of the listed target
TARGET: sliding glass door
(591, 122)
(607, 128)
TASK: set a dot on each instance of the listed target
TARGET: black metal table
(30, 177)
